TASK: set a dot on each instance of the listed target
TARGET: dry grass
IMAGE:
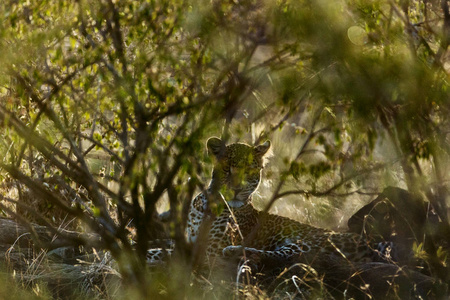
(47, 275)
(94, 276)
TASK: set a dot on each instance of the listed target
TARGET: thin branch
(308, 139)
(331, 189)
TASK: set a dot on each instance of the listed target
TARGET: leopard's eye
(234, 171)
(237, 170)
(254, 171)
(226, 168)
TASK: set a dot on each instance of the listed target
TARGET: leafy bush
(106, 106)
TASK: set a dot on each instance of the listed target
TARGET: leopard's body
(273, 236)
(240, 227)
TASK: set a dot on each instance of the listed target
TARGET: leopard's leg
(158, 256)
(283, 252)
(195, 217)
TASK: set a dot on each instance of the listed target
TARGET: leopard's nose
(236, 192)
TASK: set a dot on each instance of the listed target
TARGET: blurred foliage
(106, 105)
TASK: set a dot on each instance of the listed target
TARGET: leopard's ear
(262, 149)
(215, 146)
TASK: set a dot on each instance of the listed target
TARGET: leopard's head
(238, 168)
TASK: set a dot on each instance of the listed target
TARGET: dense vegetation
(105, 107)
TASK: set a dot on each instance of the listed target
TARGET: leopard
(241, 159)
(242, 230)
